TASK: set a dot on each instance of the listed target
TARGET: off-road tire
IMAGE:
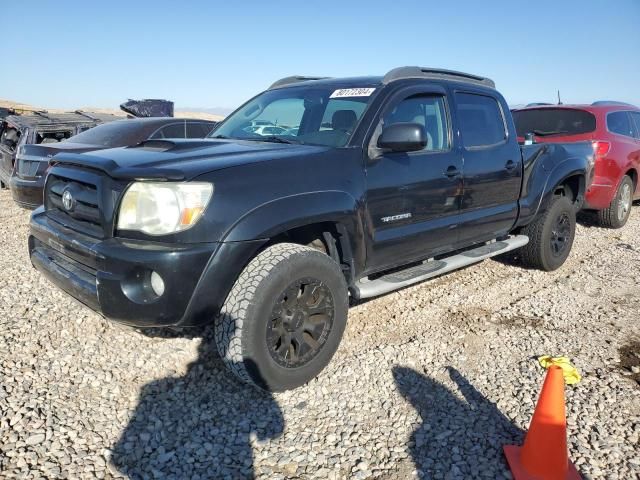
(241, 326)
(538, 253)
(610, 217)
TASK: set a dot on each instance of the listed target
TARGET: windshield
(315, 116)
(553, 121)
(113, 134)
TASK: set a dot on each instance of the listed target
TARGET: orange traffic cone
(544, 454)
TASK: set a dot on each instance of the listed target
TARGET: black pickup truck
(313, 191)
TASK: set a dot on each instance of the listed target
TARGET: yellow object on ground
(571, 374)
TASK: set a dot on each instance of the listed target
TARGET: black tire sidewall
(262, 368)
(559, 206)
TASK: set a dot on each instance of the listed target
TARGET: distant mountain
(216, 114)
(220, 111)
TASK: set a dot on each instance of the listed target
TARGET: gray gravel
(429, 382)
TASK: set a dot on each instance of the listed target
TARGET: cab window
(481, 120)
(426, 110)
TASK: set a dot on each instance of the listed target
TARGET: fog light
(157, 284)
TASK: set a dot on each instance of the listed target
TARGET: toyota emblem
(67, 200)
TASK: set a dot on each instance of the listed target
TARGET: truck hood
(47, 150)
(180, 159)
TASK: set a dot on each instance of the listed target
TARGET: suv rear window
(554, 121)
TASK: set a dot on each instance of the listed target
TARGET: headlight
(160, 208)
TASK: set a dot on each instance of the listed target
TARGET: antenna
(559, 101)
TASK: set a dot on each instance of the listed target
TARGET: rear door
(635, 154)
(635, 116)
(413, 199)
(492, 167)
(624, 147)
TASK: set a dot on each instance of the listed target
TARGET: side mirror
(403, 137)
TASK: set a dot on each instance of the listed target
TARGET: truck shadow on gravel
(588, 219)
(457, 438)
(200, 425)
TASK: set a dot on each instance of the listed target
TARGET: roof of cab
(400, 73)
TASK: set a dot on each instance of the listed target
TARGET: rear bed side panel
(546, 167)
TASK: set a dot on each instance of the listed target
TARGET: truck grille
(85, 199)
(93, 199)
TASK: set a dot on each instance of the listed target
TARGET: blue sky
(64, 53)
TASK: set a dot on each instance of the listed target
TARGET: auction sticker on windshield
(352, 92)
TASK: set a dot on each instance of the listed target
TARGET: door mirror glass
(403, 137)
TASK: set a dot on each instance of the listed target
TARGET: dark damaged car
(32, 161)
(377, 183)
(40, 128)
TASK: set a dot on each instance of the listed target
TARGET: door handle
(510, 165)
(452, 172)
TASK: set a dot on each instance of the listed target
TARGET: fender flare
(544, 173)
(280, 215)
(572, 167)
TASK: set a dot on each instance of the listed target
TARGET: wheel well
(634, 177)
(326, 237)
(573, 187)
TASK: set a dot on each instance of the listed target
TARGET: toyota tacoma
(371, 185)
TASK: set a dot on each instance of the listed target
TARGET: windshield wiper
(270, 138)
(542, 133)
(223, 137)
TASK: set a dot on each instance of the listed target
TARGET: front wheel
(550, 236)
(284, 317)
(617, 213)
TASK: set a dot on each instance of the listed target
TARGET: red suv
(614, 129)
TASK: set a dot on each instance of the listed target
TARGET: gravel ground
(429, 382)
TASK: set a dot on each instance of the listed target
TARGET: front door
(635, 155)
(413, 198)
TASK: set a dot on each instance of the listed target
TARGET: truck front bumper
(113, 276)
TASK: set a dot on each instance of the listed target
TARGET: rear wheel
(550, 236)
(617, 213)
(284, 317)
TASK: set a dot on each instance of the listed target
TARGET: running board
(366, 288)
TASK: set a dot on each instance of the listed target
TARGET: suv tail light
(600, 149)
